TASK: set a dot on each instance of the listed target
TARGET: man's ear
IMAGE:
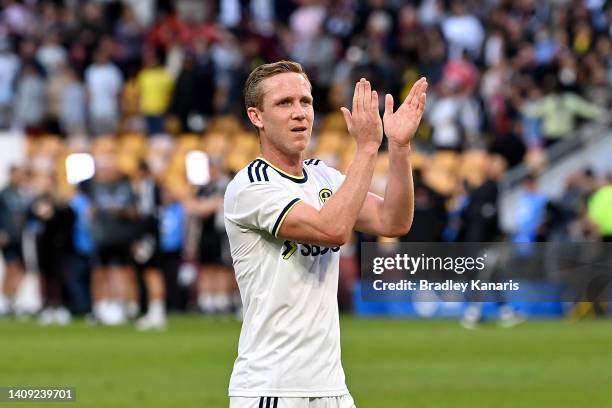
(255, 117)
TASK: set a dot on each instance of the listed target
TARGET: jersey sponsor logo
(290, 247)
(325, 194)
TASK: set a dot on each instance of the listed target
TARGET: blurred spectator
(429, 213)
(456, 117)
(147, 253)
(480, 217)
(215, 280)
(463, 31)
(89, 30)
(72, 114)
(51, 54)
(155, 86)
(104, 81)
(79, 258)
(190, 107)
(49, 227)
(15, 200)
(18, 17)
(129, 34)
(173, 219)
(113, 229)
(30, 100)
(9, 67)
(559, 110)
(530, 212)
(600, 211)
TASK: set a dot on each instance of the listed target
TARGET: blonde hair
(253, 89)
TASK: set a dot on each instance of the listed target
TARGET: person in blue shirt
(530, 212)
(83, 248)
(173, 219)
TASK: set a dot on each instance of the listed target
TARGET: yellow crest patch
(324, 195)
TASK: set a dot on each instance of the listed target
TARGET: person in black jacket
(14, 203)
(146, 249)
(429, 213)
(47, 240)
(480, 218)
(195, 79)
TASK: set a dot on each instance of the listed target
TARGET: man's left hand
(401, 125)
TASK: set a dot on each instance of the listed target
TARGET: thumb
(347, 117)
(388, 104)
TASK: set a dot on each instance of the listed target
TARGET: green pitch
(389, 363)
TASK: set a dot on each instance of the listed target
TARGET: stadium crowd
(508, 79)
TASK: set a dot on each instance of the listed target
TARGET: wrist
(399, 147)
(368, 148)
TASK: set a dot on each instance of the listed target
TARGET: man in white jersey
(286, 219)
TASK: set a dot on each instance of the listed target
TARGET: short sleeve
(261, 206)
(336, 176)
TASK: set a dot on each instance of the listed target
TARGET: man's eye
(284, 103)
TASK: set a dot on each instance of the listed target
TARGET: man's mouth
(299, 129)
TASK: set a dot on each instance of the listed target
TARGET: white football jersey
(290, 340)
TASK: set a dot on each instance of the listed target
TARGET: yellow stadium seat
(330, 142)
(246, 142)
(418, 160)
(447, 160)
(216, 143)
(128, 163)
(133, 142)
(334, 121)
(225, 124)
(473, 167)
(104, 145)
(238, 160)
(188, 141)
(50, 145)
(440, 180)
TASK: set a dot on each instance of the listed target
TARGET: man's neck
(289, 164)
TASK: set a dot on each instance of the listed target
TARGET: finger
(413, 91)
(347, 117)
(422, 102)
(422, 96)
(419, 106)
(388, 104)
(374, 104)
(361, 94)
(355, 96)
(408, 98)
(367, 96)
(422, 86)
(414, 94)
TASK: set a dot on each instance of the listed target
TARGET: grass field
(389, 363)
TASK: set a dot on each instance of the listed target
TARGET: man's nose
(298, 112)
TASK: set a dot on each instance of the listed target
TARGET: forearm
(342, 209)
(398, 204)
(204, 207)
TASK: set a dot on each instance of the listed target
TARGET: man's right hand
(364, 122)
